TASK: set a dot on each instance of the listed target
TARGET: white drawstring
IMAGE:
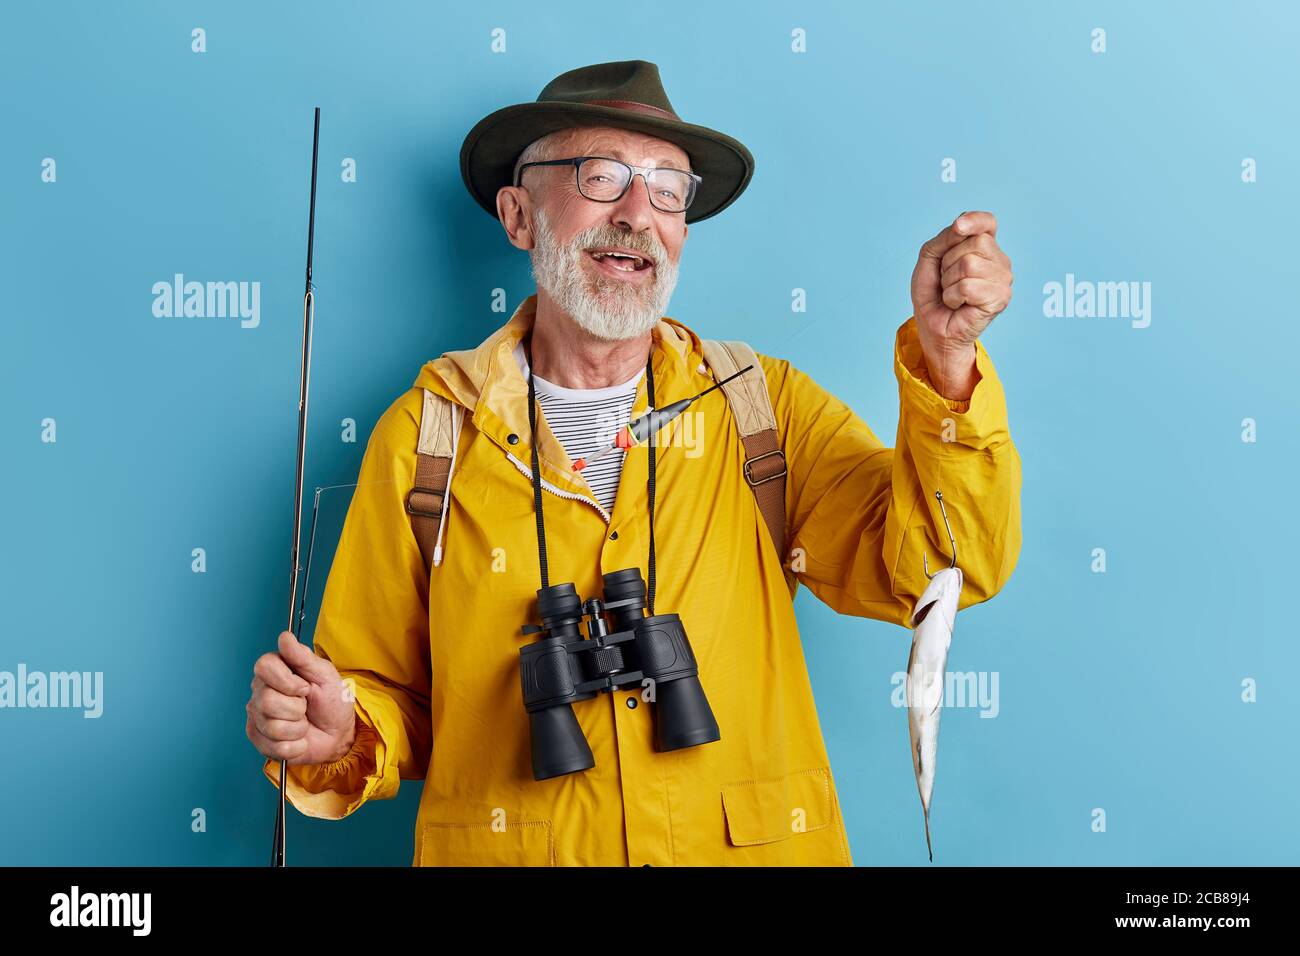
(459, 413)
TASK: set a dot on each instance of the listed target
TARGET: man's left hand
(962, 280)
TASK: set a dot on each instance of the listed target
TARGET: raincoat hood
(486, 381)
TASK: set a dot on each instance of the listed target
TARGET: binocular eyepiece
(623, 647)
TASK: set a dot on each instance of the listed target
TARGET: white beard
(604, 307)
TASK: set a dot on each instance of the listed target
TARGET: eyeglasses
(606, 180)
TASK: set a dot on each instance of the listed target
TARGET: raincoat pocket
(476, 844)
(777, 808)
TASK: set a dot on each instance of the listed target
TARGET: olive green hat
(627, 94)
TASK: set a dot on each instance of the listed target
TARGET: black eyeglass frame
(577, 161)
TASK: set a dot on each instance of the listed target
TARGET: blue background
(1118, 690)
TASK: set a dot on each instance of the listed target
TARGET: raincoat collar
(487, 380)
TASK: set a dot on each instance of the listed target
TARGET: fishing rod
(308, 314)
(638, 430)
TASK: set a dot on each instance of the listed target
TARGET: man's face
(603, 294)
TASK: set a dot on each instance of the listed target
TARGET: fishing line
(311, 541)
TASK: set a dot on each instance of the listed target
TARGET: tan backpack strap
(433, 458)
(765, 466)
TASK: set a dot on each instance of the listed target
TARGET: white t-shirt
(586, 420)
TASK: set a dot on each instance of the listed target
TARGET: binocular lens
(558, 744)
(621, 585)
(685, 718)
(558, 603)
(561, 667)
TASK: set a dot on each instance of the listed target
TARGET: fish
(933, 619)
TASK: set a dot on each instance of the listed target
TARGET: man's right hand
(300, 710)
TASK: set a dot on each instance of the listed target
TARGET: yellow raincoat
(435, 657)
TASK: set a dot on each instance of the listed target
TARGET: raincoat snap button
(631, 703)
(512, 438)
(613, 536)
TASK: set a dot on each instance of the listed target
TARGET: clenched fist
(962, 280)
(300, 710)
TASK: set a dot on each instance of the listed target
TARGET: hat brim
(489, 153)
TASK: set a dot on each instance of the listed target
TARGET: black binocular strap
(537, 485)
(537, 477)
(650, 492)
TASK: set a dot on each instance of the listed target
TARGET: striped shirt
(586, 420)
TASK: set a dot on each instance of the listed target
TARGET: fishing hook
(924, 563)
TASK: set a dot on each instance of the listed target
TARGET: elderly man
(473, 517)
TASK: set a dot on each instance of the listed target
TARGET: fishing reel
(623, 647)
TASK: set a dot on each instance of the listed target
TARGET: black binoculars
(623, 647)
